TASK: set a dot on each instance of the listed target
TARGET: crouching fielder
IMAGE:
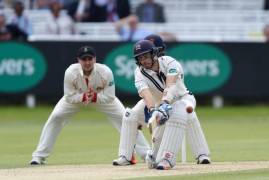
(160, 82)
(86, 83)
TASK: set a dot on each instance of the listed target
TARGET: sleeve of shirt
(173, 67)
(107, 94)
(140, 83)
(70, 92)
(176, 91)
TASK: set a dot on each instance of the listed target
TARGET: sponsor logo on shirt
(111, 83)
(172, 71)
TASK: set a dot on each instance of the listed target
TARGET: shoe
(203, 159)
(38, 161)
(150, 160)
(121, 161)
(164, 165)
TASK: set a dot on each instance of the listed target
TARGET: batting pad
(196, 137)
(142, 145)
(171, 141)
(128, 135)
(157, 139)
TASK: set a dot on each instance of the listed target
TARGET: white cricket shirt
(155, 82)
(101, 80)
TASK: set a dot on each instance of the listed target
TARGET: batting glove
(154, 115)
(164, 110)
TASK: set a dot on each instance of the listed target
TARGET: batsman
(171, 106)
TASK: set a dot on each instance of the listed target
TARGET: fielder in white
(85, 83)
(160, 82)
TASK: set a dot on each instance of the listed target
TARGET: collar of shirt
(149, 71)
(82, 74)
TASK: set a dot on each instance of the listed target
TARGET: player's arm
(70, 92)
(143, 89)
(168, 94)
(148, 98)
(175, 87)
(157, 115)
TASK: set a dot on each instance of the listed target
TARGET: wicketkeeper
(160, 82)
(86, 83)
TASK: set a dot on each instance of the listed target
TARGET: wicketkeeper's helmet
(158, 42)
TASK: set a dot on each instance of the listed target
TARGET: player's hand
(161, 113)
(86, 98)
(154, 114)
(90, 93)
(89, 96)
(164, 112)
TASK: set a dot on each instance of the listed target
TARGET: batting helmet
(157, 40)
(142, 47)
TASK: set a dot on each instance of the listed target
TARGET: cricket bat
(152, 123)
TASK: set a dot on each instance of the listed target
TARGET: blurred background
(221, 44)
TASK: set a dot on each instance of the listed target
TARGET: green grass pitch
(233, 134)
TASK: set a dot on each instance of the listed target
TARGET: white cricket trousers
(62, 113)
